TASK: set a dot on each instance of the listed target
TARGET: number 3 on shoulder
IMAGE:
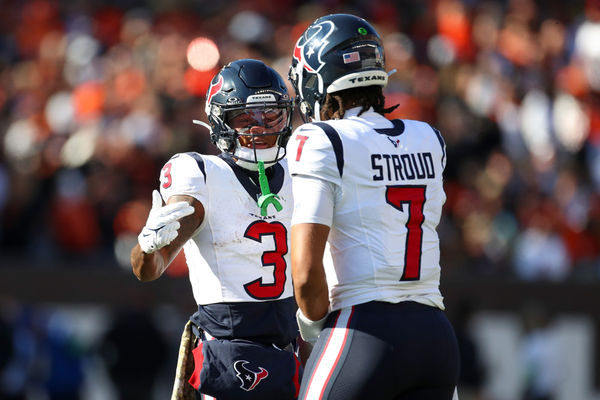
(165, 177)
(302, 139)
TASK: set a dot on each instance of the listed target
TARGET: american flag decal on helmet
(351, 57)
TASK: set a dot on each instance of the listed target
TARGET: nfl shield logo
(351, 57)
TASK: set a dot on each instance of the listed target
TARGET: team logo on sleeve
(249, 378)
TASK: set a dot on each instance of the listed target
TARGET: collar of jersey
(353, 112)
(376, 121)
(249, 179)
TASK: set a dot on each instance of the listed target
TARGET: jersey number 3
(414, 196)
(257, 289)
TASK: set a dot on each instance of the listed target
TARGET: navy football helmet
(248, 90)
(336, 52)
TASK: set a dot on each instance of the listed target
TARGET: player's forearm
(312, 298)
(310, 285)
(147, 267)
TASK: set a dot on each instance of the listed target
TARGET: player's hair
(338, 102)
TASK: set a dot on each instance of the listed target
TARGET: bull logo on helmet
(249, 378)
(310, 46)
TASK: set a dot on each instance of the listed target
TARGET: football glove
(309, 329)
(162, 224)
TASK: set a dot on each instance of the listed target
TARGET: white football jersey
(236, 255)
(388, 200)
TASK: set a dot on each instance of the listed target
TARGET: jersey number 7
(414, 197)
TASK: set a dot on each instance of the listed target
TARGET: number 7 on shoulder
(302, 139)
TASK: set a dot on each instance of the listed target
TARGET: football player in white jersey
(231, 215)
(372, 190)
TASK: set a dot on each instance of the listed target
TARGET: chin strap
(267, 197)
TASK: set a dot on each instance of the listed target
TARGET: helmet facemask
(261, 133)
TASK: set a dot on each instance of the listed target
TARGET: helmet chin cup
(252, 166)
(248, 158)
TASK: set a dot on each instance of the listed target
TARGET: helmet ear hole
(311, 82)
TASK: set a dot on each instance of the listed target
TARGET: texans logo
(214, 89)
(310, 45)
(249, 378)
(395, 142)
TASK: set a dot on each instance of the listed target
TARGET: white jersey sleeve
(183, 175)
(312, 153)
(314, 200)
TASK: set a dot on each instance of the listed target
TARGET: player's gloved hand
(309, 329)
(162, 224)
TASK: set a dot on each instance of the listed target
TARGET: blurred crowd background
(95, 95)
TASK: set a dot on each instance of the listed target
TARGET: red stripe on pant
(198, 362)
(296, 378)
(330, 356)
